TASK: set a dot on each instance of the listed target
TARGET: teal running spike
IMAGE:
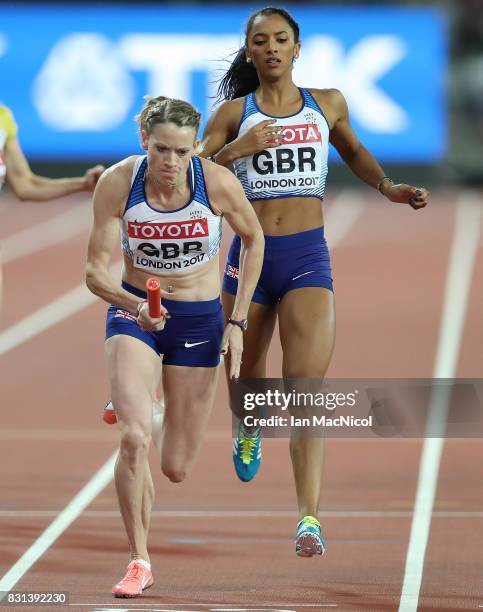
(308, 539)
(247, 453)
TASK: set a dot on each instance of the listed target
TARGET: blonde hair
(167, 110)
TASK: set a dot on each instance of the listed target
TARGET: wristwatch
(242, 324)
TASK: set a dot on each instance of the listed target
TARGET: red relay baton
(153, 288)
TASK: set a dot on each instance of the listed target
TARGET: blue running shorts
(191, 337)
(290, 262)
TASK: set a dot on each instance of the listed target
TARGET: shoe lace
(132, 573)
(310, 521)
(248, 445)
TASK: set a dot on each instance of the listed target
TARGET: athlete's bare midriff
(196, 285)
(282, 216)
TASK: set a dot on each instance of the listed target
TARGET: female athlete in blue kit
(169, 205)
(276, 136)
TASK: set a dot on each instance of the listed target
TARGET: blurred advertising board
(75, 75)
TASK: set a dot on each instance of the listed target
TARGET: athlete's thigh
(188, 394)
(133, 370)
(307, 331)
(256, 340)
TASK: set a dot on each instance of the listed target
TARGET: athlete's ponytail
(241, 78)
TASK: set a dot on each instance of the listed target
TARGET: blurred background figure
(25, 184)
(15, 169)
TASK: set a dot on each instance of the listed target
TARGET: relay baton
(153, 287)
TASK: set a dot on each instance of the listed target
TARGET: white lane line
(46, 317)
(212, 607)
(72, 511)
(64, 307)
(85, 435)
(458, 284)
(61, 435)
(215, 514)
(341, 215)
(46, 234)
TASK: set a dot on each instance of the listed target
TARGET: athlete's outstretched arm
(362, 162)
(228, 198)
(29, 186)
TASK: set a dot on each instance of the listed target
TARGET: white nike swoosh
(190, 344)
(304, 274)
(144, 581)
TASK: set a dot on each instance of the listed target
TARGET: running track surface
(233, 546)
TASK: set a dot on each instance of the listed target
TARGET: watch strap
(242, 324)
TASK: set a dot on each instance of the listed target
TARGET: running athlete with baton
(169, 204)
